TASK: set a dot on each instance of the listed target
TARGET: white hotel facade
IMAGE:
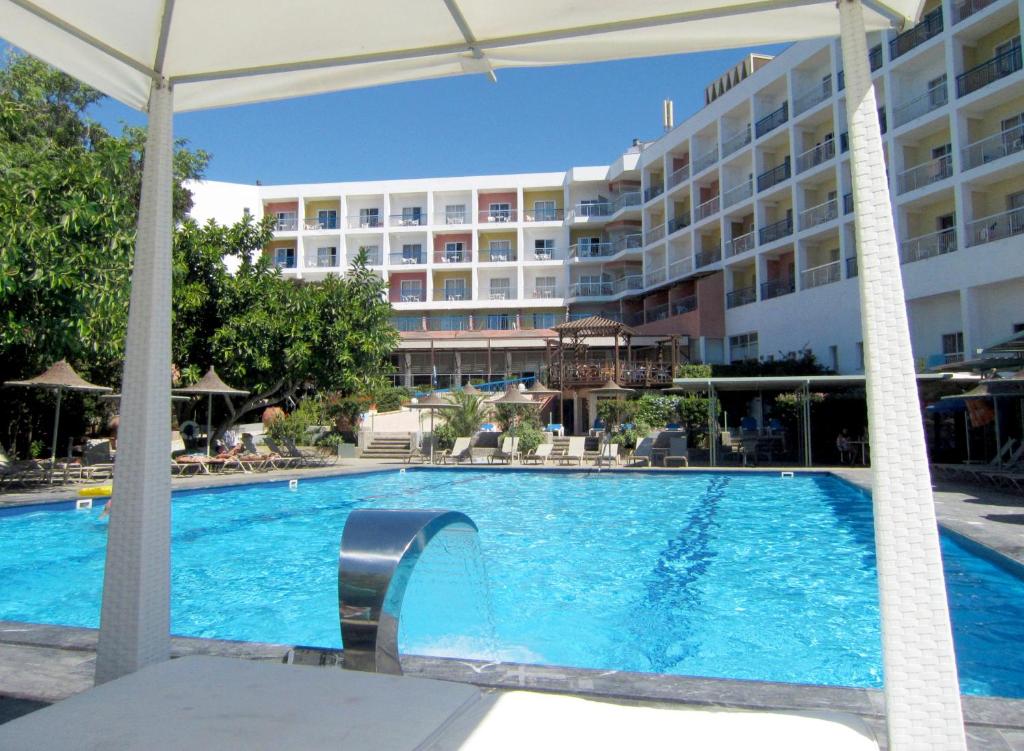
(732, 232)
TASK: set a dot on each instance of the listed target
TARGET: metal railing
(625, 283)
(545, 291)
(680, 175)
(498, 256)
(818, 276)
(930, 25)
(314, 260)
(777, 287)
(739, 193)
(989, 71)
(774, 176)
(680, 267)
(932, 99)
(875, 57)
(313, 224)
(996, 227)
(848, 203)
(365, 222)
(705, 160)
(453, 217)
(453, 256)
(591, 289)
(776, 230)
(969, 8)
(402, 220)
(706, 209)
(851, 267)
(707, 257)
(657, 276)
(811, 97)
(684, 305)
(927, 246)
(372, 259)
(407, 323)
(628, 242)
(625, 200)
(453, 295)
(544, 215)
(823, 212)
(736, 141)
(448, 323)
(286, 225)
(499, 216)
(588, 210)
(656, 313)
(741, 296)
(773, 120)
(1009, 141)
(740, 244)
(508, 293)
(590, 250)
(654, 234)
(924, 174)
(420, 296)
(816, 155)
(653, 192)
(396, 258)
(678, 223)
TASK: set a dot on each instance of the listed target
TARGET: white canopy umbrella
(176, 55)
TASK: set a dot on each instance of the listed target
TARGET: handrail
(815, 95)
(679, 175)
(707, 257)
(817, 276)
(680, 267)
(932, 99)
(817, 154)
(705, 160)
(739, 244)
(736, 141)
(775, 230)
(989, 71)
(401, 220)
(996, 227)
(706, 209)
(777, 287)
(774, 176)
(772, 120)
(924, 174)
(379, 550)
(654, 234)
(968, 8)
(929, 26)
(997, 146)
(823, 212)
(927, 246)
(738, 193)
(365, 222)
(741, 296)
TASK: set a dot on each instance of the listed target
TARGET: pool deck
(43, 664)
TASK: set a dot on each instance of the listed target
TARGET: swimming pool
(737, 575)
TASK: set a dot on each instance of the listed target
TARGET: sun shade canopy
(241, 51)
(211, 384)
(60, 375)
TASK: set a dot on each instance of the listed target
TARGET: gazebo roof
(594, 326)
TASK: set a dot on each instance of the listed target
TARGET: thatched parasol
(209, 385)
(513, 395)
(432, 402)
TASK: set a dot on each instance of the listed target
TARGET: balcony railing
(989, 71)
(1009, 141)
(816, 155)
(848, 203)
(412, 296)
(408, 220)
(774, 176)
(818, 276)
(705, 160)
(772, 232)
(813, 96)
(969, 8)
(930, 25)
(777, 287)
(407, 323)
(707, 257)
(684, 305)
(448, 323)
(499, 216)
(653, 192)
(590, 250)
(736, 141)
(740, 193)
(412, 259)
(498, 256)
(365, 222)
(680, 222)
(656, 313)
(625, 283)
(875, 57)
(680, 175)
(706, 209)
(926, 246)
(741, 296)
(286, 225)
(932, 99)
(627, 242)
(625, 200)
(545, 292)
(314, 260)
(654, 234)
(680, 267)
(924, 174)
(452, 217)
(588, 210)
(590, 289)
(453, 256)
(740, 244)
(656, 276)
(823, 212)
(313, 224)
(996, 227)
(771, 121)
(452, 295)
(851, 267)
(372, 257)
(544, 215)
(497, 293)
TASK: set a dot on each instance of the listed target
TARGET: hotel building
(729, 237)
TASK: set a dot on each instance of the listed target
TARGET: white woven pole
(135, 618)
(922, 694)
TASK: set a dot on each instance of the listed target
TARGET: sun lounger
(458, 453)
(508, 452)
(310, 458)
(609, 455)
(259, 460)
(23, 472)
(1007, 456)
(575, 451)
(539, 455)
(643, 450)
(285, 458)
(677, 453)
(415, 455)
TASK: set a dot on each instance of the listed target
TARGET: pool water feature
(736, 575)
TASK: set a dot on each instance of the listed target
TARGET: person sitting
(843, 446)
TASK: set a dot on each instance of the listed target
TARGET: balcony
(680, 267)
(770, 122)
(813, 96)
(705, 160)
(969, 8)
(706, 209)
(851, 267)
(777, 288)
(989, 71)
(740, 193)
(448, 323)
(370, 221)
(707, 257)
(1009, 141)
(605, 289)
(657, 276)
(544, 292)
(589, 210)
(774, 176)
(819, 276)
(552, 214)
(740, 244)
(996, 227)
(927, 246)
(653, 192)
(493, 255)
(654, 234)
(373, 256)
(453, 256)
(932, 99)
(452, 217)
(819, 154)
(656, 313)
(735, 142)
(591, 250)
(680, 175)
(408, 220)
(820, 214)
(684, 305)
(627, 242)
(741, 296)
(498, 216)
(454, 294)
(775, 231)
(848, 203)
(408, 323)
(314, 259)
(286, 225)
(930, 25)
(313, 224)
(680, 222)
(625, 200)
(875, 57)
(407, 259)
(502, 293)
(412, 295)
(924, 174)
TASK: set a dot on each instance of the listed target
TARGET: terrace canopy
(175, 55)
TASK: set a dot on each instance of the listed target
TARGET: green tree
(469, 413)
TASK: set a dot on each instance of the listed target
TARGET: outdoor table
(863, 450)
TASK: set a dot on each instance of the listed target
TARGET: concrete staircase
(387, 447)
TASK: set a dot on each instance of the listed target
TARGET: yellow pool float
(100, 491)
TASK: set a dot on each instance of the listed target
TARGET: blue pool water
(729, 575)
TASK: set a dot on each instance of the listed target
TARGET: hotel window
(544, 286)
(454, 289)
(454, 252)
(286, 220)
(500, 250)
(499, 321)
(412, 215)
(544, 320)
(412, 253)
(953, 346)
(499, 212)
(594, 284)
(372, 254)
(588, 247)
(501, 289)
(326, 257)
(369, 217)
(743, 347)
(543, 250)
(591, 207)
(327, 219)
(544, 211)
(937, 95)
(284, 258)
(411, 290)
(455, 213)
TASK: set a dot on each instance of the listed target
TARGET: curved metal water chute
(379, 550)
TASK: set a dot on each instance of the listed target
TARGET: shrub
(627, 438)
(291, 426)
(530, 437)
(330, 440)
(507, 415)
(444, 436)
(468, 415)
(391, 398)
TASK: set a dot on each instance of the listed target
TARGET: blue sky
(531, 120)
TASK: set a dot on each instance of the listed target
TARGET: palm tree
(469, 413)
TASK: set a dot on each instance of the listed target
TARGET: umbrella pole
(922, 691)
(56, 423)
(209, 420)
(999, 445)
